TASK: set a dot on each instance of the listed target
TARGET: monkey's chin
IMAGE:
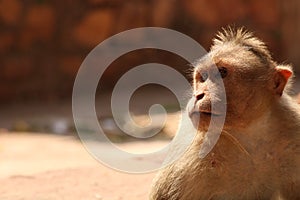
(201, 120)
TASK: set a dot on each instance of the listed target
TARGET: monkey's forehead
(229, 55)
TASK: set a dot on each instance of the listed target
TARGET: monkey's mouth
(206, 113)
(202, 118)
(203, 113)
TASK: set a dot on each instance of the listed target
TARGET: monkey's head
(253, 82)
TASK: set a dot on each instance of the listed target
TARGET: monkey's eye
(223, 72)
(203, 77)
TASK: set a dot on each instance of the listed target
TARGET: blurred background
(44, 42)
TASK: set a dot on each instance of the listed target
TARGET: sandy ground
(46, 167)
(52, 167)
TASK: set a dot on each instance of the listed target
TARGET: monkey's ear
(283, 73)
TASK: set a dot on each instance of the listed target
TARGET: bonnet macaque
(256, 156)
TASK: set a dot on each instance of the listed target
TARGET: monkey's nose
(199, 96)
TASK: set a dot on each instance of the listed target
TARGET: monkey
(257, 154)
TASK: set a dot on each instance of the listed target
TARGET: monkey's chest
(214, 177)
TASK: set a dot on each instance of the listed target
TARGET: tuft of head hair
(242, 37)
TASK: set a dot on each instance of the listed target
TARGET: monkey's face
(246, 93)
(208, 103)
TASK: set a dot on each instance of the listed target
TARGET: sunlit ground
(42, 157)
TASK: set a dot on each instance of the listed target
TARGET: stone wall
(43, 42)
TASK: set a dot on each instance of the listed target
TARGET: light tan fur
(257, 154)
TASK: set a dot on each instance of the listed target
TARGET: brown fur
(257, 154)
